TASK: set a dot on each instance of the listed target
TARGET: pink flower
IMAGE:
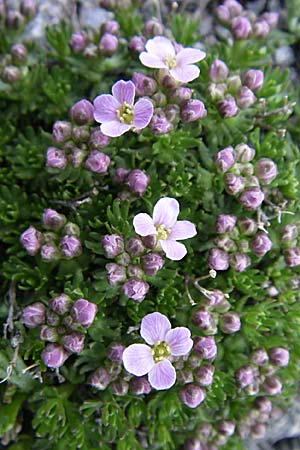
(141, 359)
(162, 54)
(166, 228)
(117, 112)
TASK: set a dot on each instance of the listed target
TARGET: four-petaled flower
(162, 54)
(117, 113)
(166, 228)
(140, 359)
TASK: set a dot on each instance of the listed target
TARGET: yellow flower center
(125, 113)
(170, 61)
(162, 232)
(160, 351)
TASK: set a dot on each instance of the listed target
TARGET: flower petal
(173, 250)
(138, 359)
(165, 212)
(183, 229)
(179, 341)
(124, 91)
(143, 225)
(142, 113)
(153, 61)
(162, 375)
(160, 46)
(105, 108)
(189, 56)
(114, 128)
(154, 327)
(184, 74)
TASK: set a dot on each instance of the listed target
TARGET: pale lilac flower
(117, 113)
(166, 228)
(141, 359)
(162, 54)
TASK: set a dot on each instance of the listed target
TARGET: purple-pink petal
(114, 128)
(162, 375)
(179, 341)
(143, 225)
(173, 250)
(105, 108)
(153, 61)
(189, 56)
(142, 113)
(161, 47)
(138, 359)
(124, 92)
(184, 74)
(154, 327)
(165, 212)
(183, 229)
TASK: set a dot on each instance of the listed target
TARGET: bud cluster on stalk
(254, 424)
(62, 325)
(15, 18)
(211, 436)
(290, 243)
(244, 23)
(237, 239)
(59, 241)
(233, 92)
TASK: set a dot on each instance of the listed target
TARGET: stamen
(160, 351)
(170, 61)
(125, 113)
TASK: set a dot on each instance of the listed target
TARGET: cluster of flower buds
(136, 181)
(62, 326)
(259, 374)
(15, 18)
(232, 92)
(290, 243)
(254, 425)
(245, 23)
(236, 239)
(77, 143)
(242, 177)
(83, 43)
(208, 436)
(61, 240)
(13, 64)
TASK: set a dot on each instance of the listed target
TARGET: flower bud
(230, 322)
(123, 259)
(292, 257)
(143, 85)
(136, 44)
(263, 404)
(225, 243)
(271, 18)
(204, 375)
(84, 312)
(49, 252)
(192, 110)
(115, 274)
(139, 386)
(216, 91)
(98, 140)
(29, 8)
(205, 347)
(61, 131)
(80, 133)
(181, 95)
(247, 226)
(119, 388)
(205, 321)
(260, 357)
(120, 175)
(239, 262)
(234, 183)
(227, 107)
(33, 315)
(192, 395)
(74, 342)
(48, 334)
(78, 42)
(245, 97)
(253, 79)
(225, 159)
(261, 244)
(235, 8)
(54, 355)
(134, 271)
(71, 229)
(233, 84)
(108, 44)
(152, 263)
(53, 220)
(150, 241)
(252, 389)
(279, 356)
(226, 427)
(100, 379)
(223, 13)
(289, 233)
(31, 239)
(135, 289)
(52, 318)
(218, 71)
(241, 27)
(266, 170)
(244, 153)
(111, 26)
(138, 181)
(214, 297)
(14, 19)
(70, 247)
(153, 28)
(159, 99)
(10, 74)
(261, 29)
(272, 386)
(135, 246)
(258, 430)
(252, 198)
(160, 124)
(113, 245)
(244, 376)
(218, 259)
(225, 223)
(61, 304)
(97, 162)
(56, 158)
(18, 53)
(184, 376)
(115, 352)
(193, 444)
(82, 112)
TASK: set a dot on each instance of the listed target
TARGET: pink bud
(84, 312)
(192, 395)
(97, 162)
(108, 44)
(31, 239)
(82, 112)
(33, 315)
(54, 355)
